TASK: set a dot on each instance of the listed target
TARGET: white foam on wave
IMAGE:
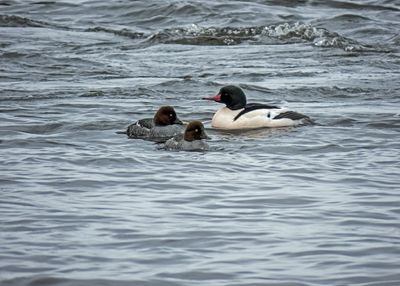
(320, 37)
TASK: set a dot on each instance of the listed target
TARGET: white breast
(223, 118)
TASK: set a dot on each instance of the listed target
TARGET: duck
(164, 125)
(191, 140)
(238, 114)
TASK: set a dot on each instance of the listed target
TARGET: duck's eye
(196, 130)
(170, 115)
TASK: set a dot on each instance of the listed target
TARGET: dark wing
(254, 106)
(140, 128)
(178, 137)
(146, 123)
(291, 115)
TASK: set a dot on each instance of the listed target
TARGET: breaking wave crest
(274, 34)
(317, 36)
(283, 33)
(197, 35)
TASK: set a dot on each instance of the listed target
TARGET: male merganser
(191, 140)
(164, 125)
(239, 115)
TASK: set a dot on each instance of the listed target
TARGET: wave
(196, 35)
(23, 22)
(122, 32)
(317, 36)
(17, 21)
(274, 34)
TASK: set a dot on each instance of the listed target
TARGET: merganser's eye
(170, 115)
(196, 130)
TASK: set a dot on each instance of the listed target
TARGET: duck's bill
(178, 121)
(216, 98)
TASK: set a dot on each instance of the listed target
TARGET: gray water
(313, 205)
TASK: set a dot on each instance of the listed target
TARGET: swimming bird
(238, 114)
(191, 140)
(164, 125)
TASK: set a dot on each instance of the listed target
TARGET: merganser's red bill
(216, 98)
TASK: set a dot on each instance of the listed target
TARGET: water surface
(314, 205)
